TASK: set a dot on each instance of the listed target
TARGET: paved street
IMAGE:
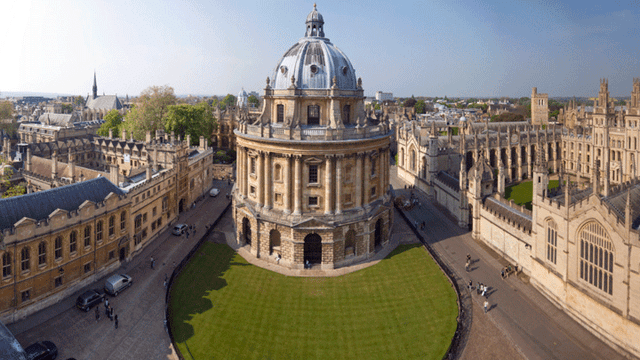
(140, 309)
(535, 327)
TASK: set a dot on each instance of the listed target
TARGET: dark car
(42, 350)
(89, 299)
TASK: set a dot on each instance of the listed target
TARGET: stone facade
(539, 108)
(312, 170)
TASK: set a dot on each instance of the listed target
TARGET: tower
(539, 107)
(95, 86)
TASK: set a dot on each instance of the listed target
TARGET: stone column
(328, 185)
(247, 169)
(297, 195)
(366, 170)
(268, 190)
(359, 179)
(338, 198)
(286, 197)
(260, 175)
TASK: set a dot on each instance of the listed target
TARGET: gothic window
(138, 223)
(596, 257)
(123, 220)
(112, 225)
(280, 116)
(6, 264)
(99, 231)
(73, 241)
(313, 115)
(87, 236)
(25, 263)
(42, 253)
(552, 242)
(57, 248)
(346, 112)
(412, 163)
(313, 174)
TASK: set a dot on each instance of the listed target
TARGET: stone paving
(140, 309)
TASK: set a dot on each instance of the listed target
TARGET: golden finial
(314, 6)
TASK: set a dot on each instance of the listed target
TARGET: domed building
(313, 170)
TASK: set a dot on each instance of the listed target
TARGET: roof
(108, 102)
(59, 119)
(509, 213)
(40, 205)
(449, 180)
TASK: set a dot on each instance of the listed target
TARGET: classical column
(286, 197)
(245, 172)
(366, 172)
(328, 210)
(338, 185)
(268, 191)
(260, 175)
(359, 179)
(297, 195)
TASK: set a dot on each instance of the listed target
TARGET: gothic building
(96, 107)
(313, 171)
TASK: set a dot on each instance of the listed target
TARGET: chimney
(54, 164)
(110, 133)
(188, 140)
(173, 137)
(155, 159)
(72, 167)
(148, 138)
(124, 134)
(28, 163)
(113, 174)
(149, 173)
(203, 144)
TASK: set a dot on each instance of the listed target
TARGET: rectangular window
(58, 248)
(57, 281)
(252, 190)
(144, 233)
(313, 174)
(373, 191)
(313, 201)
(280, 117)
(26, 295)
(253, 165)
(87, 268)
(144, 217)
(347, 198)
(155, 210)
(112, 254)
(278, 198)
(346, 114)
(153, 226)
(313, 115)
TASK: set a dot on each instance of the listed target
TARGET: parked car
(214, 192)
(42, 350)
(116, 283)
(89, 299)
(179, 229)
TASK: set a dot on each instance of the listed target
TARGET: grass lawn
(522, 193)
(224, 308)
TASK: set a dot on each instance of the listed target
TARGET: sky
(423, 48)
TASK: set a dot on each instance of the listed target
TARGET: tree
(8, 189)
(229, 100)
(150, 110)
(7, 121)
(195, 120)
(78, 100)
(410, 102)
(113, 121)
(67, 108)
(253, 100)
(420, 106)
(376, 107)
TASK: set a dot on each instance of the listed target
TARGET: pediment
(313, 160)
(313, 223)
(58, 212)
(24, 221)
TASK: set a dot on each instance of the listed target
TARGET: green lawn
(224, 308)
(522, 193)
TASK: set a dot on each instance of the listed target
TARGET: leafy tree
(377, 107)
(411, 102)
(229, 100)
(67, 108)
(78, 100)
(113, 120)
(472, 100)
(253, 100)
(524, 101)
(7, 121)
(507, 117)
(195, 120)
(150, 110)
(420, 106)
(8, 189)
(6, 110)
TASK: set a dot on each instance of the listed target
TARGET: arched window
(596, 256)
(73, 241)
(413, 160)
(6, 264)
(346, 114)
(280, 113)
(42, 253)
(552, 242)
(25, 263)
(99, 231)
(57, 248)
(313, 115)
(112, 225)
(87, 236)
(123, 220)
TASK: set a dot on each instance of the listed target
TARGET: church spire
(95, 85)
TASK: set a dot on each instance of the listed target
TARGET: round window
(314, 69)
(283, 69)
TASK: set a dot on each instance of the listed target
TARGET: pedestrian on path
(466, 266)
(484, 290)
(470, 286)
(106, 304)
(486, 304)
(468, 257)
(116, 324)
(153, 263)
(97, 313)
(111, 313)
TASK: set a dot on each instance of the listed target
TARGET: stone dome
(314, 62)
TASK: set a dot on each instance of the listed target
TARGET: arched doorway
(246, 230)
(378, 233)
(274, 242)
(313, 249)
(181, 206)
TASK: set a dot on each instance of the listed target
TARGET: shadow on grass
(402, 248)
(200, 277)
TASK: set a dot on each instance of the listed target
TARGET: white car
(214, 192)
(179, 229)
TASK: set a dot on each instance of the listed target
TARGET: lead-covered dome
(314, 61)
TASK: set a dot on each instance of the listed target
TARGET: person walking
(466, 266)
(153, 263)
(486, 304)
(111, 313)
(106, 303)
(97, 313)
(484, 290)
(116, 322)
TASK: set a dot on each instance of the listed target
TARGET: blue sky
(430, 48)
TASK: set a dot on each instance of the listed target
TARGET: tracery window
(42, 253)
(123, 220)
(112, 225)
(6, 264)
(25, 263)
(346, 114)
(57, 249)
(73, 238)
(552, 242)
(313, 115)
(87, 236)
(596, 257)
(99, 231)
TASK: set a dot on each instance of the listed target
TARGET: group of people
(507, 270)
(109, 312)
(481, 289)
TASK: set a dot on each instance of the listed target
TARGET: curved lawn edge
(386, 333)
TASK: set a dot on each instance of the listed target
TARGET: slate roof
(65, 120)
(40, 205)
(449, 180)
(108, 102)
(509, 213)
